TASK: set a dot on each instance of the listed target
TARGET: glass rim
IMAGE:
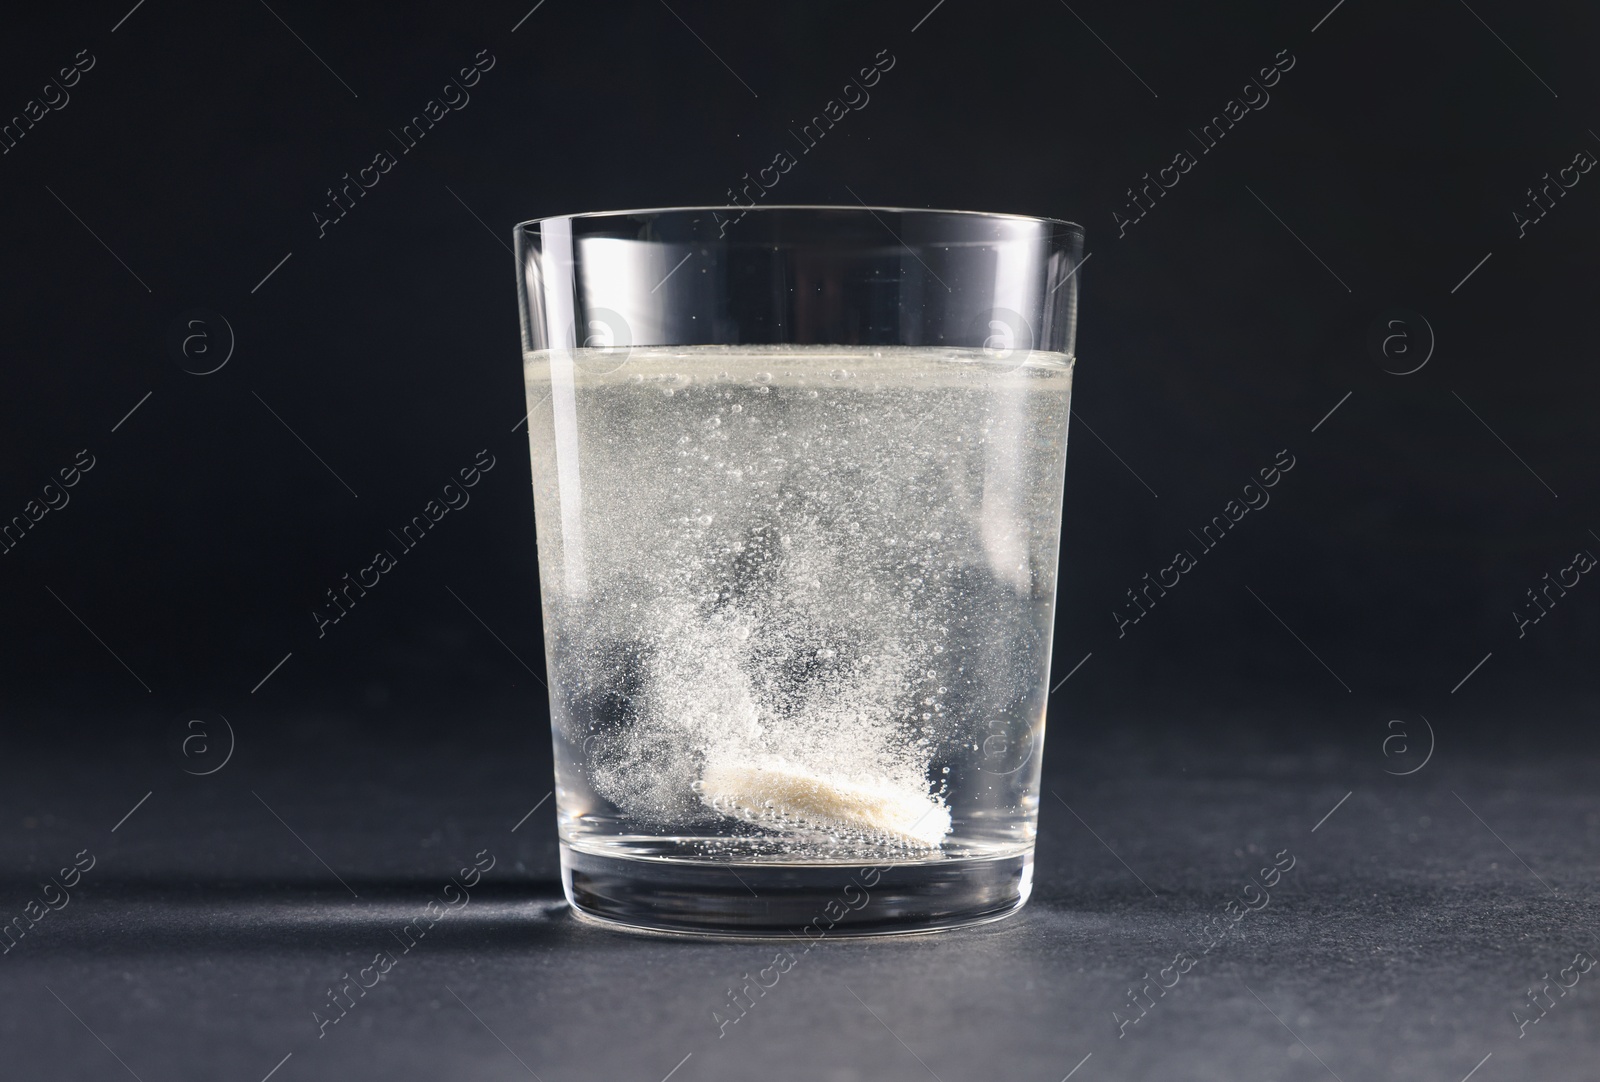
(595, 214)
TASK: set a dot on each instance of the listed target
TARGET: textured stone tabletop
(1408, 920)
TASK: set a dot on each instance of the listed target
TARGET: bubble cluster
(832, 561)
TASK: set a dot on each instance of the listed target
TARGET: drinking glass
(797, 478)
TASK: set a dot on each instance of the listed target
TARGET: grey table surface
(1419, 912)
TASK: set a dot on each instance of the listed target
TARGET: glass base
(740, 900)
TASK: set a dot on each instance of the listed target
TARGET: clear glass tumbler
(797, 479)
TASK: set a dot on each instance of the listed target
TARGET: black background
(382, 357)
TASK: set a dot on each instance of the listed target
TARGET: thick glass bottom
(760, 900)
